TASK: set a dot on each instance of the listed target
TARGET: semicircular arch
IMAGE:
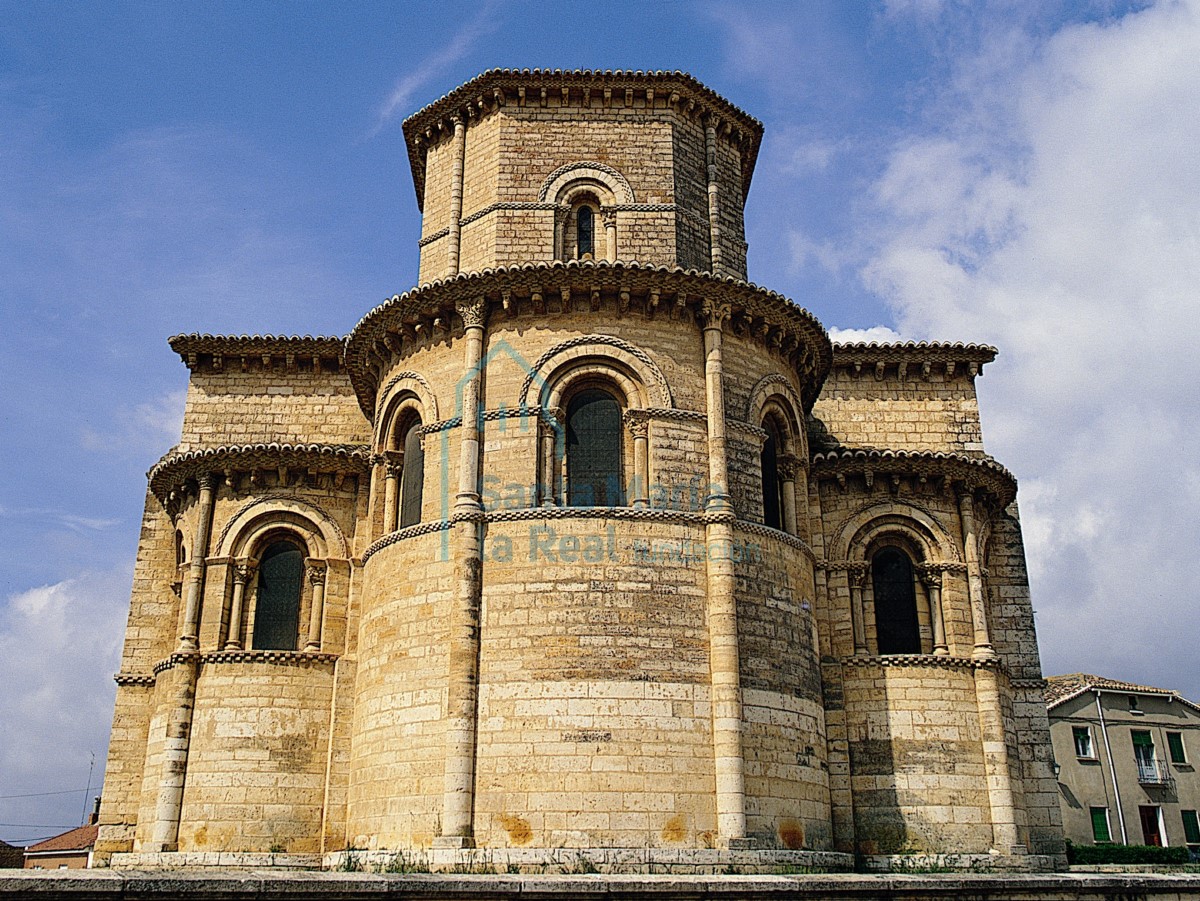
(917, 527)
(600, 352)
(585, 171)
(260, 517)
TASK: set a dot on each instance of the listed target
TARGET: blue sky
(1018, 173)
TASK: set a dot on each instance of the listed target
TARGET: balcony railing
(1154, 772)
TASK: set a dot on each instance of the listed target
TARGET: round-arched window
(277, 612)
(594, 449)
(585, 232)
(772, 515)
(896, 627)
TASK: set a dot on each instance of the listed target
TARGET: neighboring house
(69, 851)
(11, 856)
(1126, 758)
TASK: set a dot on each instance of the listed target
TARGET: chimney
(95, 817)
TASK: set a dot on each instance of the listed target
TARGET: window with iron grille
(594, 450)
(277, 612)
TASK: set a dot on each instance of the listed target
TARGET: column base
(453, 842)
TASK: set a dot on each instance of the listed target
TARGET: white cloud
(142, 429)
(59, 647)
(1073, 243)
(437, 63)
(880, 334)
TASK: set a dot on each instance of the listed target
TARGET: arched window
(772, 506)
(594, 449)
(585, 232)
(277, 612)
(412, 477)
(896, 628)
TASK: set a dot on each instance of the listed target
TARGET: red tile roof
(79, 839)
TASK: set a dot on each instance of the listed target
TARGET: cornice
(913, 359)
(982, 473)
(169, 473)
(495, 88)
(608, 289)
(221, 350)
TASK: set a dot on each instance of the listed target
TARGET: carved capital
(715, 313)
(930, 575)
(857, 574)
(637, 422)
(315, 571)
(609, 218)
(206, 480)
(243, 572)
(472, 311)
(788, 467)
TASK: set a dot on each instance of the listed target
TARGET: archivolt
(855, 534)
(279, 511)
(599, 348)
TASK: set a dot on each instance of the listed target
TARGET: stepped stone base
(84, 885)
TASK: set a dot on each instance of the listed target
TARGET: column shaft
(189, 640)
(454, 238)
(983, 643)
(724, 661)
(458, 802)
(714, 200)
(316, 576)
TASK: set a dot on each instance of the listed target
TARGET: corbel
(652, 303)
(949, 369)
(544, 95)
(255, 479)
(587, 98)
(565, 294)
(282, 472)
(869, 475)
(607, 98)
(628, 97)
(595, 299)
(218, 363)
(245, 363)
(521, 95)
(622, 302)
(393, 341)
(841, 480)
(291, 362)
(539, 304)
(902, 370)
(266, 361)
(879, 370)
(566, 96)
(193, 360)
(895, 483)
(973, 369)
(339, 479)
(498, 96)
(926, 367)
(316, 364)
(231, 481)
(649, 98)
(856, 368)
(506, 303)
(673, 100)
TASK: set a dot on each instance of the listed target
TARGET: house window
(593, 449)
(896, 626)
(1133, 705)
(1175, 747)
(1143, 753)
(585, 232)
(1152, 832)
(1191, 827)
(1083, 741)
(1100, 830)
(277, 613)
(412, 477)
(770, 477)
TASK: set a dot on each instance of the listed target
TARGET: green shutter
(1143, 739)
(1191, 828)
(1175, 743)
(1100, 825)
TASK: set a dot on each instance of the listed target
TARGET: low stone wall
(110, 885)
